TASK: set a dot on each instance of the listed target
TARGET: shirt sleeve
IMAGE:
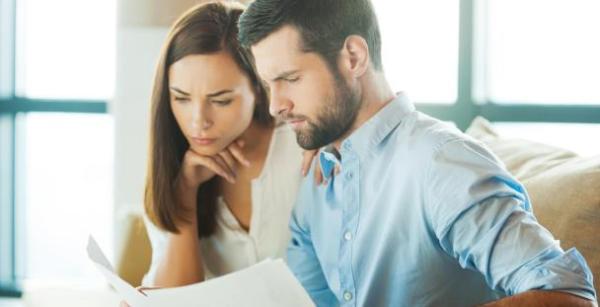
(302, 258)
(482, 217)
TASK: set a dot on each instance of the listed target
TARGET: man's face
(304, 92)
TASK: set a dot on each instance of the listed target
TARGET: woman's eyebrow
(219, 93)
(179, 91)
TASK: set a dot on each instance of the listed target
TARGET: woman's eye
(181, 99)
(222, 102)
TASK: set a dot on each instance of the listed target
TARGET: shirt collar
(369, 135)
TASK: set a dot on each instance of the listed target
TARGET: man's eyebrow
(285, 75)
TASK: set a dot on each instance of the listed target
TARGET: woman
(222, 175)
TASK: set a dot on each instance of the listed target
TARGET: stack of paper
(269, 283)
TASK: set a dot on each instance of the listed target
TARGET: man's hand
(543, 299)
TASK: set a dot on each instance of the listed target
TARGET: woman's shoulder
(285, 155)
(284, 139)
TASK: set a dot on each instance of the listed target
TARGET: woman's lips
(203, 141)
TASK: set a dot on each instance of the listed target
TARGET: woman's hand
(141, 290)
(197, 169)
(307, 161)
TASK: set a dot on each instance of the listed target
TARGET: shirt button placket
(348, 236)
(348, 221)
(347, 296)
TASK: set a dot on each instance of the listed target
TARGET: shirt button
(348, 236)
(347, 296)
(349, 175)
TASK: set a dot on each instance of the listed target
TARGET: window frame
(11, 106)
(471, 101)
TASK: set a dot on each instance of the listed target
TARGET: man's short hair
(324, 25)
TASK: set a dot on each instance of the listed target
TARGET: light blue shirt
(422, 215)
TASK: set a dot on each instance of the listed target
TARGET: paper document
(269, 283)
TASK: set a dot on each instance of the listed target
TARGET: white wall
(137, 53)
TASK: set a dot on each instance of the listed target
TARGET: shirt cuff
(556, 270)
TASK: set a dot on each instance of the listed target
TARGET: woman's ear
(355, 58)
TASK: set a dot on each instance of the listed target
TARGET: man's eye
(265, 85)
(292, 80)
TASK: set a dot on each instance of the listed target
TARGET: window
(420, 47)
(543, 51)
(56, 140)
(65, 49)
(66, 192)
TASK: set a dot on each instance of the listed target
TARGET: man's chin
(306, 142)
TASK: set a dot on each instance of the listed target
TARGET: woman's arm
(182, 262)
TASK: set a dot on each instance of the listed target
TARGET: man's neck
(376, 94)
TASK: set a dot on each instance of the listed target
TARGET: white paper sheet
(266, 284)
(124, 289)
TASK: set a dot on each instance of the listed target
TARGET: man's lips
(296, 123)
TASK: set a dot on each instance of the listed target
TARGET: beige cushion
(564, 188)
(134, 259)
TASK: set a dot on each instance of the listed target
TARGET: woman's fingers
(213, 165)
(229, 160)
(141, 289)
(229, 173)
(235, 149)
(318, 174)
(308, 160)
(308, 156)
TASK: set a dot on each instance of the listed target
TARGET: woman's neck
(256, 138)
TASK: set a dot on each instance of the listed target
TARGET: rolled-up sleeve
(482, 217)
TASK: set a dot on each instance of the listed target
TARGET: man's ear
(354, 56)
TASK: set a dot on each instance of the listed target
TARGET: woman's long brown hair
(204, 29)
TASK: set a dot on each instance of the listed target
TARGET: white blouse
(231, 248)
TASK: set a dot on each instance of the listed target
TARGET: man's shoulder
(424, 135)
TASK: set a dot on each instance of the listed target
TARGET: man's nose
(279, 105)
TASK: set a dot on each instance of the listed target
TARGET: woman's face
(212, 100)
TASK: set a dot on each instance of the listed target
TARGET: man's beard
(335, 119)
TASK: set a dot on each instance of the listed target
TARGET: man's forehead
(278, 52)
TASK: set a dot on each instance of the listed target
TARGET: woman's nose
(201, 120)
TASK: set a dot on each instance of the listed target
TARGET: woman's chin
(210, 150)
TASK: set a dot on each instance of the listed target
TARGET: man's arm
(303, 262)
(301, 254)
(542, 299)
(482, 218)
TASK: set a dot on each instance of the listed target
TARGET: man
(421, 214)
